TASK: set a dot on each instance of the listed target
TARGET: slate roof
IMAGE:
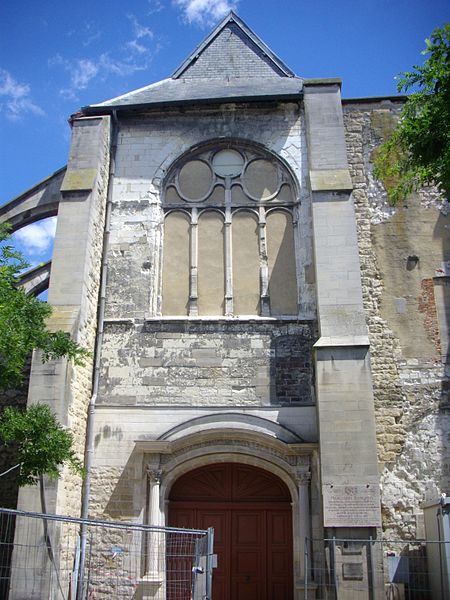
(232, 49)
(231, 64)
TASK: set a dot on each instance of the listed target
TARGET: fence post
(371, 574)
(306, 570)
(81, 567)
(76, 569)
(209, 555)
(333, 565)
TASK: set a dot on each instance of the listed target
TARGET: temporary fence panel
(349, 569)
(63, 558)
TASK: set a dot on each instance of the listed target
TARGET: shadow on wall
(124, 489)
(291, 371)
(281, 255)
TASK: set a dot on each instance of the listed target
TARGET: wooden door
(248, 554)
(251, 515)
(279, 554)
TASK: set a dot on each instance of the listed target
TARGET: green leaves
(42, 445)
(22, 321)
(418, 152)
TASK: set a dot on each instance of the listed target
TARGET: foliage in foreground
(42, 444)
(418, 152)
(22, 321)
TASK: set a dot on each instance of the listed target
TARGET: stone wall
(158, 374)
(401, 250)
(147, 148)
(187, 363)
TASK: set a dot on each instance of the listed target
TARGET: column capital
(303, 476)
(154, 475)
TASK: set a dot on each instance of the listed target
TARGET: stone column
(150, 584)
(304, 518)
(154, 518)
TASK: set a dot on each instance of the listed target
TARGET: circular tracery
(195, 180)
(227, 163)
(250, 174)
(261, 179)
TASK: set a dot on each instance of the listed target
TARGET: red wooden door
(248, 554)
(251, 515)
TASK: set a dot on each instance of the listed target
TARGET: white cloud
(92, 34)
(140, 31)
(15, 100)
(135, 46)
(155, 6)
(120, 67)
(84, 70)
(205, 12)
(86, 35)
(134, 55)
(38, 237)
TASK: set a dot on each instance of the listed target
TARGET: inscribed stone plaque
(353, 571)
(351, 506)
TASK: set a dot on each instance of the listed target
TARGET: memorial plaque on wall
(351, 506)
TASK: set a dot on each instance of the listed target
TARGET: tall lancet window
(229, 235)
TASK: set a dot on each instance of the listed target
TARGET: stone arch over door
(250, 510)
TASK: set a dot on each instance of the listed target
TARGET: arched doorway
(250, 510)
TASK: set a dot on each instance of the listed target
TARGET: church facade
(269, 336)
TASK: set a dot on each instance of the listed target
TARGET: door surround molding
(295, 464)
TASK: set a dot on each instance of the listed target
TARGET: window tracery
(229, 234)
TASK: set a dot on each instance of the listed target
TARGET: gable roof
(232, 64)
(232, 49)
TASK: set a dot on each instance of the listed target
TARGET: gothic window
(229, 235)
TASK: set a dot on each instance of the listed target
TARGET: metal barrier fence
(352, 569)
(41, 556)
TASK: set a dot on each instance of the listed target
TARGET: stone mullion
(193, 283)
(264, 264)
(296, 252)
(228, 250)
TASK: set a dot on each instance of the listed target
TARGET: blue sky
(56, 57)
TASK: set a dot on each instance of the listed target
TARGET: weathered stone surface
(410, 381)
(147, 147)
(222, 363)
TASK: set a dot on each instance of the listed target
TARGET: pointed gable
(231, 64)
(232, 50)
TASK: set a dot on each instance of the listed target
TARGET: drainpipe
(89, 452)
